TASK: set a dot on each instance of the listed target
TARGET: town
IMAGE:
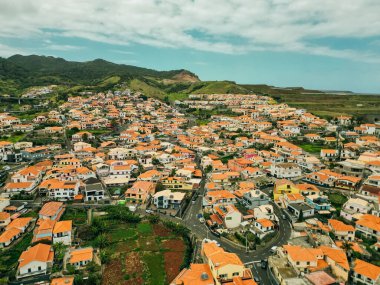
(228, 189)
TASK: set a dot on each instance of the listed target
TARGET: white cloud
(6, 51)
(227, 26)
(58, 47)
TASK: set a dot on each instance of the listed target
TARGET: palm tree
(347, 247)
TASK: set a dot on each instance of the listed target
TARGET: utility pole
(246, 242)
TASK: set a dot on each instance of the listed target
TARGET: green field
(314, 148)
(323, 104)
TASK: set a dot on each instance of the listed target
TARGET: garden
(136, 251)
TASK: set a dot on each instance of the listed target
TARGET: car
(7, 168)
(264, 264)
(149, 211)
(284, 217)
(257, 279)
(273, 249)
(201, 220)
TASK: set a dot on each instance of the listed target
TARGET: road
(253, 257)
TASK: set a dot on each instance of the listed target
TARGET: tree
(300, 217)
(104, 256)
(154, 219)
(85, 137)
(98, 226)
(208, 168)
(59, 250)
(159, 187)
(101, 241)
(114, 123)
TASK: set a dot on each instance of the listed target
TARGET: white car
(201, 220)
(149, 211)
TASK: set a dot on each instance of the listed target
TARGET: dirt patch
(176, 245)
(161, 231)
(113, 273)
(134, 268)
(172, 261)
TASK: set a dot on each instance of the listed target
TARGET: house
(341, 230)
(320, 203)
(354, 208)
(20, 223)
(61, 189)
(365, 273)
(300, 210)
(5, 219)
(254, 198)
(150, 175)
(79, 257)
(218, 197)
(140, 191)
(167, 199)
(264, 212)
(52, 211)
(35, 260)
(368, 225)
(230, 216)
(284, 186)
(199, 274)
(93, 190)
(329, 154)
(66, 280)
(43, 230)
(263, 227)
(177, 183)
(285, 170)
(62, 232)
(8, 236)
(224, 265)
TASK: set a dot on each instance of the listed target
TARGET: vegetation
(322, 104)
(337, 200)
(311, 147)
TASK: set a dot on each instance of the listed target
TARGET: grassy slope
(322, 104)
(148, 90)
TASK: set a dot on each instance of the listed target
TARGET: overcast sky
(324, 44)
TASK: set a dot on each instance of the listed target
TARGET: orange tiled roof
(367, 269)
(40, 252)
(81, 254)
(62, 226)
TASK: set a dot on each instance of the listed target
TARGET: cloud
(58, 47)
(224, 26)
(6, 51)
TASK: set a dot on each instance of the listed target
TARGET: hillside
(18, 73)
(24, 71)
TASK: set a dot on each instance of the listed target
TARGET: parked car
(284, 217)
(273, 249)
(264, 264)
(149, 211)
(201, 220)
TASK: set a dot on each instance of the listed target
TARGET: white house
(168, 200)
(285, 170)
(62, 232)
(230, 216)
(35, 260)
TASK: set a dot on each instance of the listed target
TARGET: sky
(324, 44)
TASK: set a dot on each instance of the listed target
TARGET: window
(39, 268)
(235, 274)
(29, 270)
